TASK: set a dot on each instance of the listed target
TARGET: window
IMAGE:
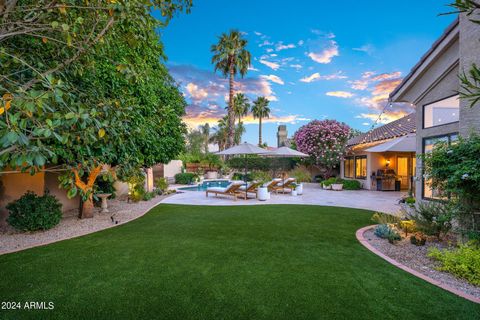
(428, 145)
(361, 167)
(441, 112)
(349, 167)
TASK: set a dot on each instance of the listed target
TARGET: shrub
(433, 218)
(351, 185)
(410, 200)
(161, 184)
(261, 176)
(148, 196)
(463, 262)
(31, 212)
(301, 174)
(384, 231)
(137, 192)
(408, 226)
(330, 181)
(185, 178)
(418, 239)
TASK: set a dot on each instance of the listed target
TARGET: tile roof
(390, 130)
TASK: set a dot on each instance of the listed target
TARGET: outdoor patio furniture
(284, 186)
(230, 190)
(251, 188)
(270, 185)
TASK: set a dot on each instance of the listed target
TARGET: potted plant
(294, 189)
(337, 185)
(262, 193)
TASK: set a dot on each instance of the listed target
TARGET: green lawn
(248, 262)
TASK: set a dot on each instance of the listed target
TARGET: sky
(311, 59)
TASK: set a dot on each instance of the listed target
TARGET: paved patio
(312, 195)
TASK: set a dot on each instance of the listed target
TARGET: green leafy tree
(220, 135)
(205, 130)
(260, 110)
(231, 57)
(107, 99)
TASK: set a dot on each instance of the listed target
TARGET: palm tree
(220, 135)
(239, 131)
(241, 106)
(205, 130)
(260, 110)
(231, 58)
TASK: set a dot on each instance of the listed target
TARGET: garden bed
(415, 257)
(71, 226)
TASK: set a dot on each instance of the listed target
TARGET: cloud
(195, 92)
(280, 46)
(269, 50)
(266, 43)
(272, 65)
(252, 68)
(300, 43)
(326, 55)
(296, 66)
(273, 78)
(339, 94)
(257, 33)
(316, 76)
(367, 48)
(311, 78)
(359, 84)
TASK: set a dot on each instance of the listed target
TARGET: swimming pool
(207, 184)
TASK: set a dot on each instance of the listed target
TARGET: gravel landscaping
(415, 257)
(121, 212)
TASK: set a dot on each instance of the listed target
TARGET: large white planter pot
(212, 175)
(263, 194)
(300, 189)
(294, 193)
(326, 187)
(337, 186)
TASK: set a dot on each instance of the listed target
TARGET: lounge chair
(270, 185)
(284, 186)
(251, 188)
(230, 190)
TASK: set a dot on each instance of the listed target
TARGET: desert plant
(433, 218)
(393, 236)
(32, 212)
(148, 196)
(386, 231)
(383, 218)
(301, 174)
(463, 261)
(408, 226)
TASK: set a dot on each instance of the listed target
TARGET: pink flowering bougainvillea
(325, 141)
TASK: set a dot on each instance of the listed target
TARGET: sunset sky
(312, 59)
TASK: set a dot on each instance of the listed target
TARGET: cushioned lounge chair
(284, 186)
(251, 188)
(230, 190)
(270, 185)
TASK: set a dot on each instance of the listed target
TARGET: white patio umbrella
(244, 149)
(286, 152)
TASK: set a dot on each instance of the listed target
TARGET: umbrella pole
(245, 178)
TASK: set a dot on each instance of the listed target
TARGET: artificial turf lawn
(244, 262)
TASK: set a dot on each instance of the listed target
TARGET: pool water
(207, 184)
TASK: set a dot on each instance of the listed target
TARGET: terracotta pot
(86, 209)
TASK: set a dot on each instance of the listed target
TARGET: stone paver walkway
(313, 195)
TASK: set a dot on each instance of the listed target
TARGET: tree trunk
(231, 115)
(260, 131)
(86, 208)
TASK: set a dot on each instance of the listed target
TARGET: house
(383, 158)
(432, 86)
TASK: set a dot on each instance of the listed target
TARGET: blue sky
(313, 59)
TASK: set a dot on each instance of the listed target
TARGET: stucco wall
(172, 168)
(15, 185)
(52, 184)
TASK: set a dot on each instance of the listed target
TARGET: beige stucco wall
(52, 184)
(15, 185)
(172, 168)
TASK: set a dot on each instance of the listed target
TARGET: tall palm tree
(205, 130)
(260, 110)
(231, 58)
(241, 106)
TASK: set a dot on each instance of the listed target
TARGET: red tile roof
(394, 129)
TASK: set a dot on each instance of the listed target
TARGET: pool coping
(360, 237)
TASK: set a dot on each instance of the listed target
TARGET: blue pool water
(207, 184)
